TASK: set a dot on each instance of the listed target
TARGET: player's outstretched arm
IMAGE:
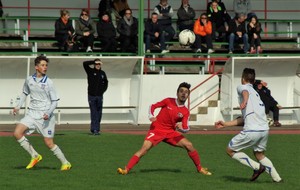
(223, 124)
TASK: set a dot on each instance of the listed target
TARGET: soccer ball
(186, 37)
(270, 121)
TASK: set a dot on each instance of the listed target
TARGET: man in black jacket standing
(97, 85)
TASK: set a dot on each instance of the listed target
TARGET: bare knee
(189, 146)
(147, 145)
(259, 155)
(186, 144)
(49, 142)
(19, 131)
(229, 152)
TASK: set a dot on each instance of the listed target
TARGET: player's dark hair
(249, 75)
(40, 58)
(185, 85)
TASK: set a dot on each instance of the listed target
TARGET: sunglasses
(128, 13)
(82, 14)
(203, 17)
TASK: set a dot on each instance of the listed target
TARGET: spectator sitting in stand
(270, 103)
(128, 30)
(107, 34)
(203, 30)
(85, 30)
(63, 29)
(220, 3)
(154, 34)
(186, 16)
(104, 6)
(219, 23)
(237, 33)
(243, 7)
(165, 13)
(222, 7)
(254, 30)
(118, 11)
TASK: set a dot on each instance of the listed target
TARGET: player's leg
(25, 144)
(266, 162)
(192, 152)
(239, 142)
(269, 167)
(58, 153)
(47, 129)
(147, 145)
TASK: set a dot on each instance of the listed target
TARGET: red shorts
(170, 137)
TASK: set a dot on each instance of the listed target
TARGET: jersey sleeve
(185, 122)
(26, 89)
(52, 92)
(241, 88)
(156, 105)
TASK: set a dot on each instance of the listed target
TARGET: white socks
(246, 160)
(59, 154)
(27, 146)
(270, 169)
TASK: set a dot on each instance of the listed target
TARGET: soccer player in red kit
(168, 127)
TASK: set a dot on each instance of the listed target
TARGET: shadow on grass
(160, 170)
(236, 179)
(245, 180)
(36, 168)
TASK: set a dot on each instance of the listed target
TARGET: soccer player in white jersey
(40, 117)
(255, 131)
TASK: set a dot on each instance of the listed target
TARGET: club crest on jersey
(180, 115)
(43, 86)
(49, 132)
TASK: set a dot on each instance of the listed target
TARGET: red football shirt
(170, 114)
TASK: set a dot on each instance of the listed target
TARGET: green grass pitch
(95, 160)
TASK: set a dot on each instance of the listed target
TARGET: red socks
(193, 155)
(196, 159)
(132, 162)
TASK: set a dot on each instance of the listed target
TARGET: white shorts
(34, 121)
(245, 139)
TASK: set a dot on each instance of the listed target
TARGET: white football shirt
(41, 91)
(254, 113)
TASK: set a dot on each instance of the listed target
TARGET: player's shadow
(236, 179)
(160, 170)
(242, 179)
(36, 168)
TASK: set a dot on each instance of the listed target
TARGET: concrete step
(202, 110)
(213, 103)
(193, 117)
